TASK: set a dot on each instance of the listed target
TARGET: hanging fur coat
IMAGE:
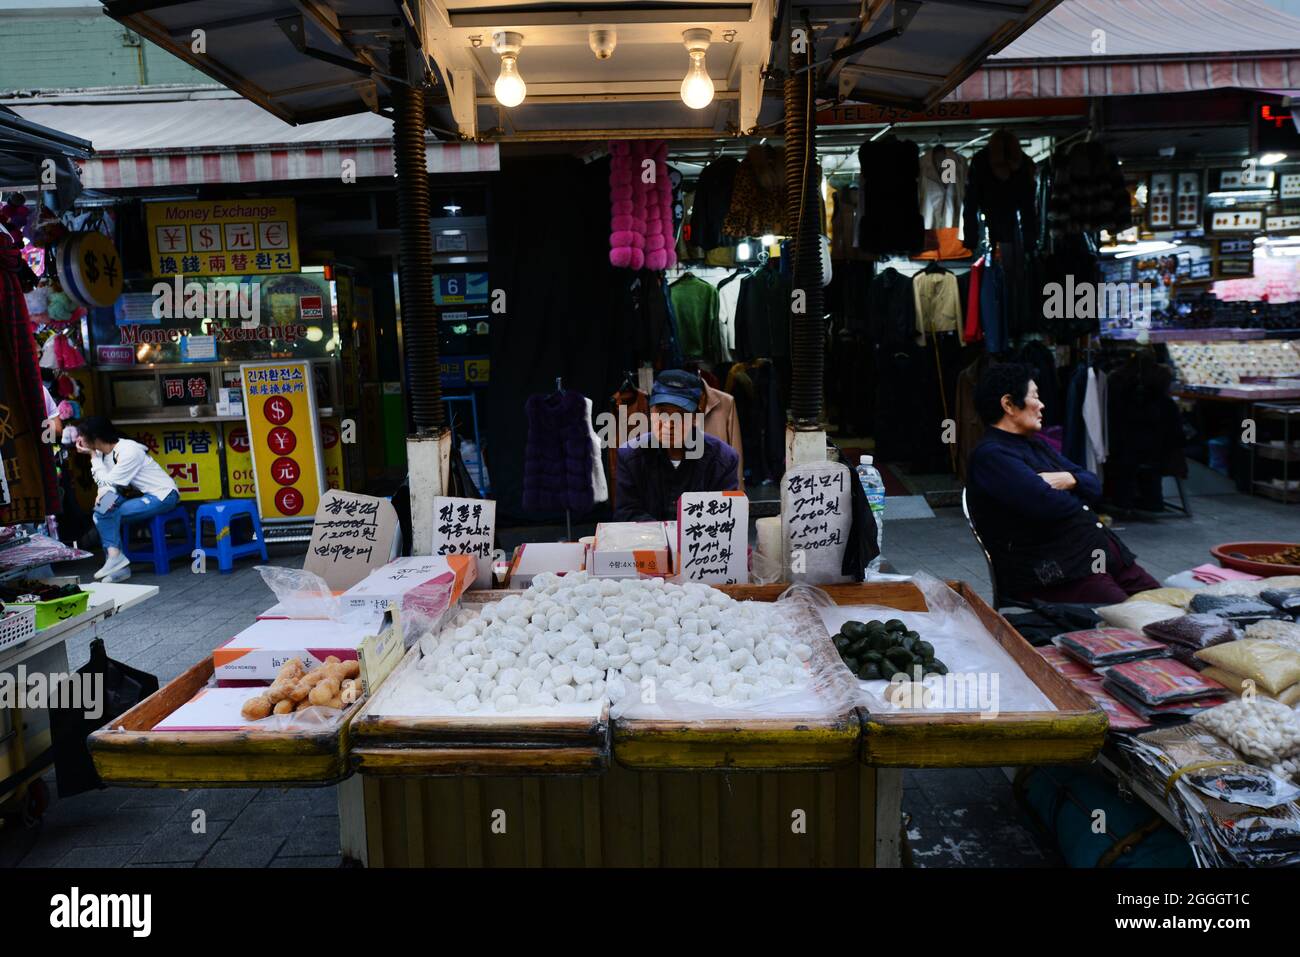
(758, 195)
(558, 453)
(1001, 188)
(889, 214)
(1087, 192)
(641, 231)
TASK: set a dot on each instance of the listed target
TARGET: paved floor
(957, 818)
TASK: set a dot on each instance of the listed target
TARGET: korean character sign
(284, 439)
(713, 538)
(188, 452)
(466, 526)
(223, 237)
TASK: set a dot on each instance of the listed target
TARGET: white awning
(153, 138)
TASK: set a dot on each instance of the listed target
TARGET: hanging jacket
(993, 307)
(695, 306)
(722, 422)
(941, 194)
(557, 454)
(889, 214)
(972, 332)
(763, 316)
(758, 195)
(891, 310)
(712, 201)
(844, 225)
(1087, 192)
(938, 307)
(1000, 193)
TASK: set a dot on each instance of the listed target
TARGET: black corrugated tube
(415, 263)
(803, 215)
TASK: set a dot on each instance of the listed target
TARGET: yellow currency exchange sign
(228, 237)
(283, 438)
(188, 452)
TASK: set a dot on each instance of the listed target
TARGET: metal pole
(803, 220)
(415, 262)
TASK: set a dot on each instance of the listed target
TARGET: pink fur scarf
(641, 206)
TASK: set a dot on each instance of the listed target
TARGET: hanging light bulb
(509, 89)
(697, 87)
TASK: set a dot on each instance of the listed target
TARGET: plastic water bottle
(874, 486)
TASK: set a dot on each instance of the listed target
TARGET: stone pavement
(956, 817)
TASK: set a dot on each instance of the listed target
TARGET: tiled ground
(957, 818)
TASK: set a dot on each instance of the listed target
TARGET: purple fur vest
(557, 457)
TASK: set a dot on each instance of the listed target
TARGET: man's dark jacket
(649, 486)
(1037, 535)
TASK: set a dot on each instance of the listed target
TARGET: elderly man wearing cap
(674, 456)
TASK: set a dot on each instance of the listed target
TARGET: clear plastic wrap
(1251, 587)
(1193, 631)
(1136, 615)
(1283, 632)
(1284, 599)
(825, 688)
(1190, 754)
(1272, 666)
(315, 718)
(982, 676)
(1242, 609)
(1257, 726)
(299, 593)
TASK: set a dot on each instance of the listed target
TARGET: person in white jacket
(117, 463)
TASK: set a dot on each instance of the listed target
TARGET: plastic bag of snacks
(1207, 763)
(1160, 681)
(1257, 726)
(1178, 597)
(1193, 631)
(1108, 646)
(1283, 632)
(1234, 608)
(1240, 686)
(1273, 667)
(1287, 600)
(1135, 615)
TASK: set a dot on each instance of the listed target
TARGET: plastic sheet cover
(982, 676)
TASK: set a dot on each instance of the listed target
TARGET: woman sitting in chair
(1031, 505)
(132, 487)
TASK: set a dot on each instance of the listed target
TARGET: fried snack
(299, 691)
(291, 669)
(351, 669)
(279, 690)
(255, 709)
(324, 692)
(350, 690)
(332, 660)
(335, 702)
(284, 706)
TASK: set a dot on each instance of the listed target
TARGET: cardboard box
(256, 654)
(406, 578)
(212, 709)
(534, 558)
(631, 550)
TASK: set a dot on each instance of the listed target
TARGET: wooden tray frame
(127, 752)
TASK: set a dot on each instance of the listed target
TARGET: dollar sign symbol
(92, 267)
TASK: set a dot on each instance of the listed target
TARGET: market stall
(727, 731)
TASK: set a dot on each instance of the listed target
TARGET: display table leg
(352, 820)
(889, 817)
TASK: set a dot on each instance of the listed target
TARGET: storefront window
(286, 316)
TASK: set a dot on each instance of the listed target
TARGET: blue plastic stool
(220, 515)
(159, 552)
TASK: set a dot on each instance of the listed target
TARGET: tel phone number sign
(280, 410)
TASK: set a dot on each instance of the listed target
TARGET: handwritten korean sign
(466, 526)
(352, 535)
(816, 514)
(712, 537)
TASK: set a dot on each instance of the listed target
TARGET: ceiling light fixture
(697, 87)
(509, 89)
